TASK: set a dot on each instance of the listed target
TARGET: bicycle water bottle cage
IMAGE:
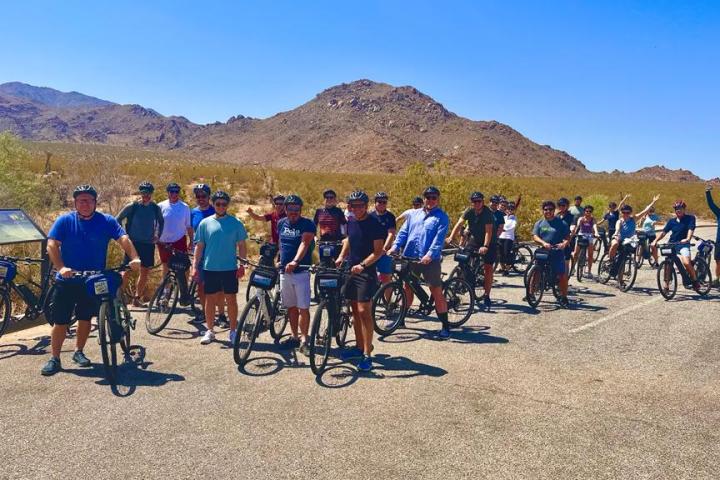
(103, 285)
(8, 270)
(264, 279)
(179, 262)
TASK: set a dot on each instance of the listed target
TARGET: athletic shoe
(564, 302)
(80, 358)
(444, 333)
(716, 283)
(350, 353)
(51, 367)
(290, 343)
(305, 349)
(487, 301)
(137, 303)
(588, 275)
(208, 338)
(365, 364)
(233, 334)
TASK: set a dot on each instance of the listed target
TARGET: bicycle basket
(542, 255)
(329, 281)
(264, 279)
(103, 284)
(8, 270)
(268, 250)
(400, 266)
(705, 248)
(327, 250)
(179, 261)
(462, 257)
(667, 251)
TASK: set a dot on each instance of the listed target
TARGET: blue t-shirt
(612, 219)
(553, 231)
(387, 220)
(499, 217)
(627, 228)
(679, 227)
(197, 216)
(290, 239)
(84, 243)
(220, 237)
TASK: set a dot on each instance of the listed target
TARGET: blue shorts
(557, 262)
(384, 265)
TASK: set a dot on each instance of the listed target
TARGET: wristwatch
(362, 264)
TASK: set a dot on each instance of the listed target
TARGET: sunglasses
(478, 201)
(381, 201)
(431, 197)
(201, 197)
(677, 209)
(356, 205)
(548, 209)
(293, 209)
(221, 204)
(174, 191)
(279, 204)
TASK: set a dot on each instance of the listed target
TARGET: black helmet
(329, 192)
(562, 201)
(293, 200)
(431, 190)
(146, 187)
(511, 205)
(202, 187)
(476, 196)
(358, 196)
(578, 197)
(381, 196)
(626, 208)
(279, 199)
(220, 195)
(172, 186)
(417, 200)
(495, 199)
(85, 189)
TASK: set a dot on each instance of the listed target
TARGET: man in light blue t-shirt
(217, 239)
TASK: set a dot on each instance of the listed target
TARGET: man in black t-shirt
(362, 248)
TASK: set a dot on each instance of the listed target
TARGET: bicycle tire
(125, 341)
(160, 310)
(247, 331)
(628, 264)
(280, 318)
(666, 271)
(389, 313)
(534, 288)
(604, 269)
(460, 298)
(523, 259)
(639, 255)
(321, 338)
(5, 310)
(249, 292)
(598, 247)
(195, 306)
(344, 324)
(108, 349)
(581, 262)
(704, 276)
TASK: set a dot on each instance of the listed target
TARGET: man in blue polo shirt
(78, 241)
(681, 229)
(422, 236)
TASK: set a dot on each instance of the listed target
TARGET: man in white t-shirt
(177, 228)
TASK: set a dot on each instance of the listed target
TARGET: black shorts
(72, 298)
(716, 253)
(431, 273)
(568, 252)
(217, 282)
(146, 252)
(362, 287)
(505, 252)
(492, 253)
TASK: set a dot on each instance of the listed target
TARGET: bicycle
(704, 249)
(114, 319)
(581, 268)
(470, 267)
(35, 305)
(671, 264)
(333, 317)
(623, 267)
(601, 244)
(390, 304)
(259, 314)
(540, 278)
(520, 258)
(173, 289)
(643, 251)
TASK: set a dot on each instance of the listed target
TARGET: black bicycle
(704, 249)
(470, 267)
(622, 268)
(581, 268)
(644, 251)
(173, 289)
(540, 278)
(671, 265)
(333, 317)
(390, 304)
(520, 258)
(36, 304)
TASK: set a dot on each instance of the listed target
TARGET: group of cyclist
(78, 241)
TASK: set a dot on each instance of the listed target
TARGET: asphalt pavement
(623, 385)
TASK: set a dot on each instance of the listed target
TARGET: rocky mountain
(664, 174)
(50, 97)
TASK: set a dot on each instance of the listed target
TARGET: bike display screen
(17, 227)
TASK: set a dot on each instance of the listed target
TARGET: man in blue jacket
(716, 210)
(422, 237)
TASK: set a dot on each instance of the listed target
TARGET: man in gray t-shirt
(144, 224)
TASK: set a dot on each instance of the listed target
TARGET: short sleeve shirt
(499, 218)
(290, 237)
(329, 221)
(552, 231)
(361, 235)
(219, 237)
(273, 217)
(612, 219)
(679, 228)
(177, 220)
(478, 222)
(197, 216)
(387, 220)
(84, 242)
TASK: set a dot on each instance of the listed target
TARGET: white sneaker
(208, 338)
(233, 333)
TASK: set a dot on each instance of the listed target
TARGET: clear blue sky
(618, 84)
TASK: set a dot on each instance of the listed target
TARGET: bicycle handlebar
(21, 259)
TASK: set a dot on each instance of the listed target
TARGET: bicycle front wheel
(523, 259)
(321, 338)
(280, 317)
(534, 288)
(667, 279)
(162, 306)
(341, 329)
(108, 348)
(247, 331)
(389, 306)
(627, 273)
(604, 267)
(460, 299)
(5, 310)
(580, 267)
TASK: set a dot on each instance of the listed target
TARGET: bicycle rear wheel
(343, 325)
(5, 310)
(598, 248)
(580, 266)
(534, 288)
(108, 348)
(389, 306)
(321, 338)
(460, 299)
(247, 331)
(280, 317)
(162, 306)
(704, 277)
(667, 279)
(627, 273)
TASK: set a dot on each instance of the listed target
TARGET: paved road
(622, 386)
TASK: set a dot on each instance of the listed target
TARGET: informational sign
(16, 227)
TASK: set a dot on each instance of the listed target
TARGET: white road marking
(617, 314)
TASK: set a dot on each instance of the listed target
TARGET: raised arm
(713, 207)
(647, 209)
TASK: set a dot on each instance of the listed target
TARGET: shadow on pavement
(12, 349)
(463, 334)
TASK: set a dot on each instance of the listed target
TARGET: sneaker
(365, 364)
(588, 275)
(564, 302)
(233, 334)
(350, 353)
(696, 286)
(80, 358)
(444, 333)
(137, 303)
(198, 318)
(208, 338)
(487, 302)
(716, 283)
(305, 349)
(290, 343)
(51, 367)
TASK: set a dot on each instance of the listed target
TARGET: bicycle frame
(33, 304)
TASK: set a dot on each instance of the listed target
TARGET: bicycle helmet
(358, 196)
(562, 201)
(279, 199)
(381, 196)
(503, 200)
(495, 199)
(612, 205)
(202, 187)
(417, 200)
(476, 196)
(220, 195)
(146, 187)
(626, 209)
(172, 187)
(431, 190)
(679, 203)
(511, 205)
(89, 189)
(329, 193)
(293, 200)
